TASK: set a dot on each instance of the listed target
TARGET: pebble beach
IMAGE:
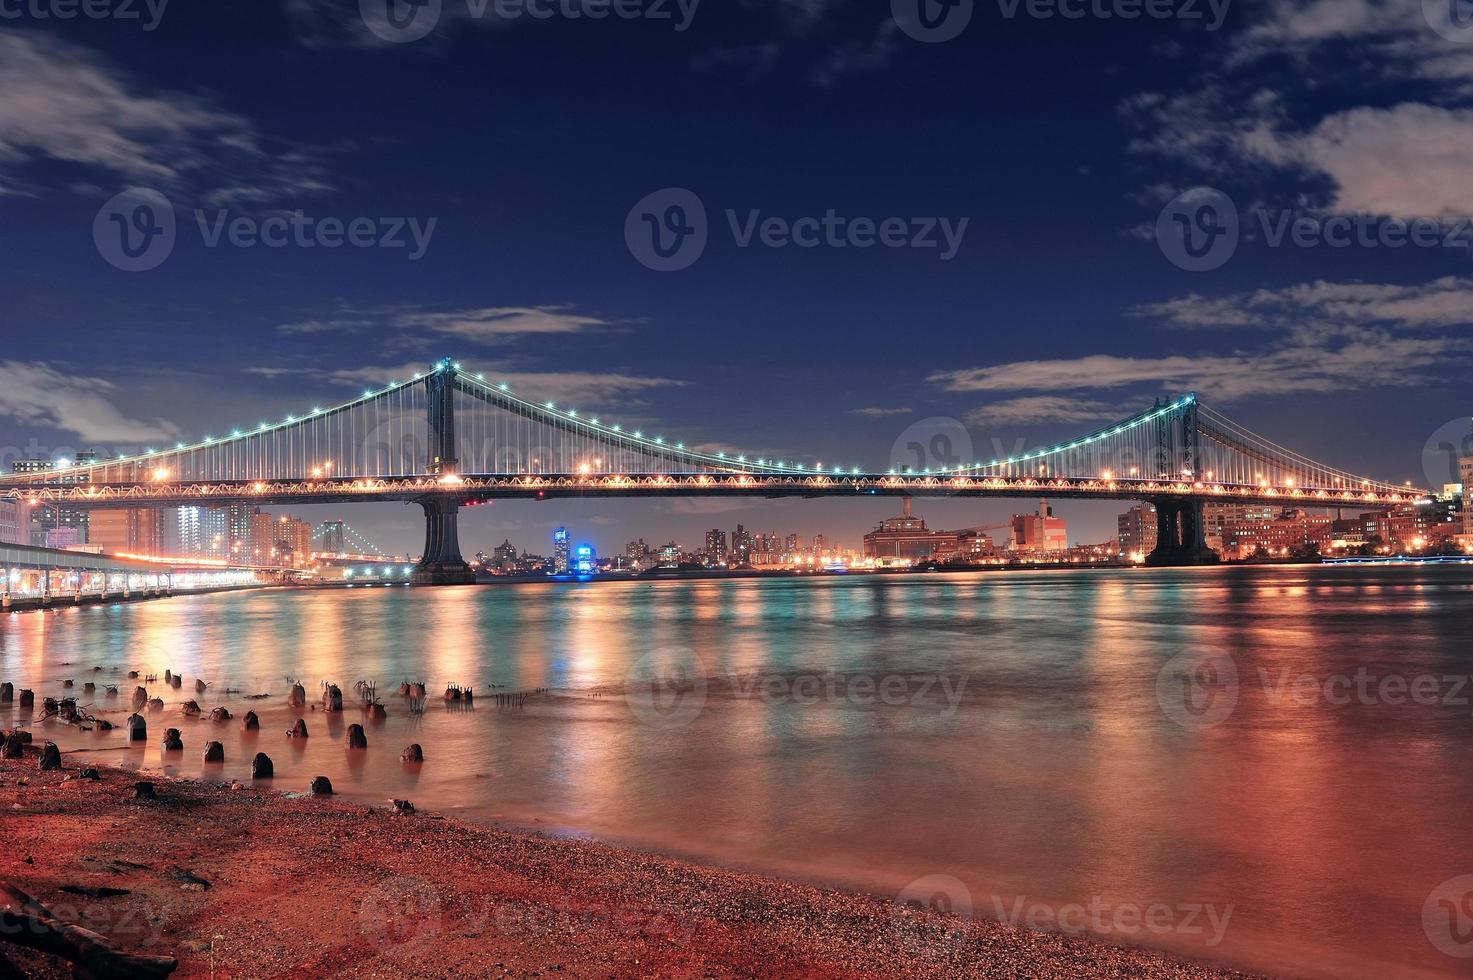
(249, 881)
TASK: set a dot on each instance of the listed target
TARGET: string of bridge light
(1118, 429)
(655, 445)
(240, 435)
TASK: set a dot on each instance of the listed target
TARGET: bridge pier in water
(442, 563)
(1181, 535)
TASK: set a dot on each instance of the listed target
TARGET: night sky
(527, 142)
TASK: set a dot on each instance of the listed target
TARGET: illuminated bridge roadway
(447, 438)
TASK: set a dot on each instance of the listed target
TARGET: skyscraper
(54, 518)
(741, 546)
(560, 551)
(129, 531)
(1467, 470)
(196, 532)
(14, 523)
(1136, 531)
(715, 546)
(239, 541)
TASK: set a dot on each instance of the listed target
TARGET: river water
(1268, 767)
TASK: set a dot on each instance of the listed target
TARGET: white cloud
(1362, 100)
(64, 103)
(41, 395)
(1306, 363)
(1037, 409)
(1408, 161)
(879, 413)
(1328, 307)
(483, 324)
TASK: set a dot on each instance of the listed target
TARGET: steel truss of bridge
(447, 438)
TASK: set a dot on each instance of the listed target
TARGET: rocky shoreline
(255, 882)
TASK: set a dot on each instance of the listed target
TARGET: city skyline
(1350, 354)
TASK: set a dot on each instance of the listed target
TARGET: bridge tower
(442, 563)
(1181, 527)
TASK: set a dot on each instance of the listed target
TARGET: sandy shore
(261, 883)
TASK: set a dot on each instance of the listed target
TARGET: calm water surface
(1060, 766)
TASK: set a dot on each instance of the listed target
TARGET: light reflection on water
(1059, 777)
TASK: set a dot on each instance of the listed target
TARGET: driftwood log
(28, 923)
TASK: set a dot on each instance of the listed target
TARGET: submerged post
(442, 563)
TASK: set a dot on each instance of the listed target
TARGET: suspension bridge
(446, 438)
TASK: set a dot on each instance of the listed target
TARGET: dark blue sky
(528, 143)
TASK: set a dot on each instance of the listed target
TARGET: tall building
(45, 519)
(504, 556)
(1040, 531)
(15, 522)
(741, 547)
(585, 560)
(792, 544)
(1467, 469)
(637, 553)
(1137, 531)
(715, 546)
(239, 522)
(283, 541)
(560, 551)
(128, 531)
(196, 532)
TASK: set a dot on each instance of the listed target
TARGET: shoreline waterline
(292, 882)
